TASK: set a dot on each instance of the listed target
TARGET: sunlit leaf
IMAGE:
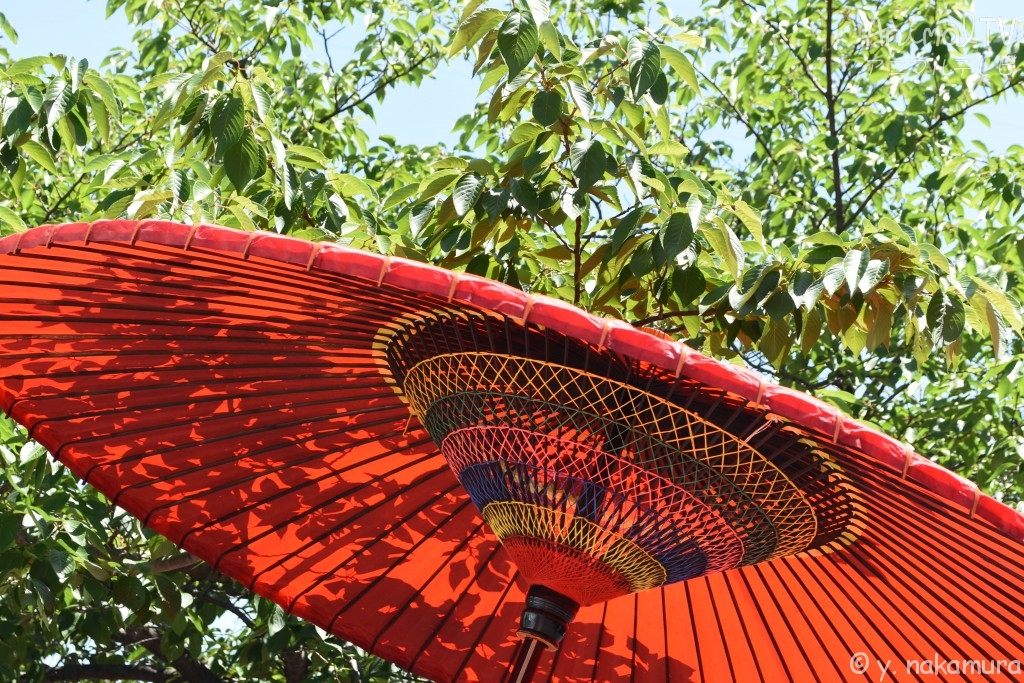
(467, 191)
(518, 40)
(644, 65)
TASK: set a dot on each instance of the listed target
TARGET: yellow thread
(624, 556)
(788, 508)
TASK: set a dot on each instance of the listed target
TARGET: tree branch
(190, 670)
(52, 211)
(739, 116)
(104, 672)
(830, 101)
(296, 665)
(939, 120)
(804, 66)
(174, 563)
(225, 604)
(349, 104)
(644, 322)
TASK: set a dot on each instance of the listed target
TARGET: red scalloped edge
(811, 414)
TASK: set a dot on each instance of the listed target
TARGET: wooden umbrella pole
(525, 663)
(545, 619)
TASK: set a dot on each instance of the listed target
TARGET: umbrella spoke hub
(600, 487)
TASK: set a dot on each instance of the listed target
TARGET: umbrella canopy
(399, 454)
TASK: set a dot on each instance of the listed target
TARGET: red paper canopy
(233, 392)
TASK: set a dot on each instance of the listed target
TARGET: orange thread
(314, 252)
(604, 334)
(191, 234)
(529, 307)
(760, 391)
(684, 354)
(451, 288)
(248, 245)
(17, 245)
(383, 270)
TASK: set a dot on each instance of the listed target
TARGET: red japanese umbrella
(456, 475)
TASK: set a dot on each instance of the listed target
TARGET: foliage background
(854, 242)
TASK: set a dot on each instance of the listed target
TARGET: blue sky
(80, 28)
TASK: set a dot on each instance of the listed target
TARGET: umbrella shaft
(526, 660)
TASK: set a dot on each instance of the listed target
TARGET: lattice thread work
(599, 488)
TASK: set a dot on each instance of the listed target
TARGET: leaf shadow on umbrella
(250, 425)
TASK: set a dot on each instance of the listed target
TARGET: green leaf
(1001, 302)
(518, 40)
(696, 208)
(588, 162)
(277, 621)
(63, 564)
(855, 264)
(57, 101)
(625, 229)
(834, 277)
(549, 38)
(106, 93)
(676, 235)
(214, 69)
(659, 91)
(669, 148)
(39, 154)
(244, 161)
(936, 257)
(8, 30)
(642, 261)
(11, 219)
(688, 284)
(399, 195)
(892, 134)
(945, 317)
(469, 9)
(573, 203)
(547, 107)
(998, 329)
(725, 243)
(180, 185)
(77, 70)
(467, 191)
(27, 65)
(806, 290)
(228, 122)
(873, 274)
(264, 104)
(307, 157)
(751, 220)
(774, 341)
(811, 331)
(436, 182)
(539, 10)
(681, 64)
(582, 98)
(644, 65)
(779, 305)
(419, 216)
(525, 194)
(472, 29)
